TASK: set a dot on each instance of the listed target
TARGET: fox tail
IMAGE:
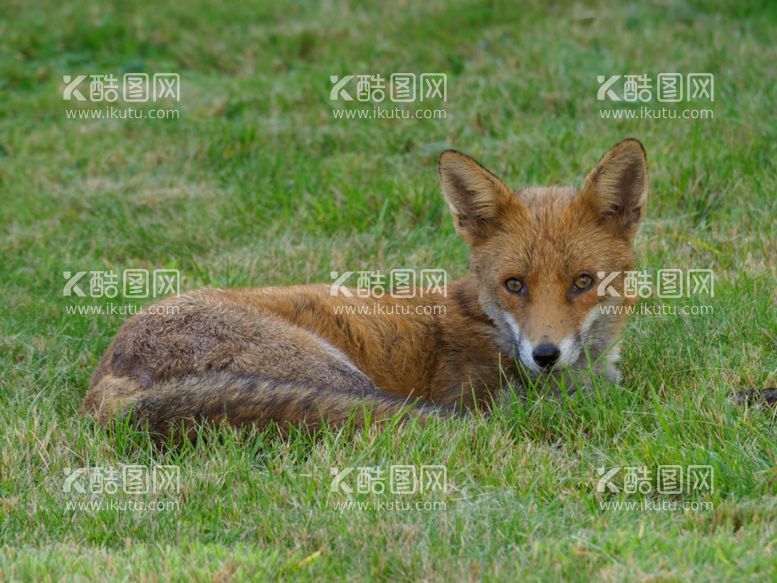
(241, 400)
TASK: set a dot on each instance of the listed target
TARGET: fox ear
(476, 197)
(616, 190)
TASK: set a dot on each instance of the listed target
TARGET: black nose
(546, 354)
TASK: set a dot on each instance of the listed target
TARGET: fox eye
(515, 285)
(583, 282)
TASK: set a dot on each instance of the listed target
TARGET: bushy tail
(241, 400)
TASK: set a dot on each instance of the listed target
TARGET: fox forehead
(546, 199)
(558, 241)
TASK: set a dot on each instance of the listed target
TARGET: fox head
(548, 261)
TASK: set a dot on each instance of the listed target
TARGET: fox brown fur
(297, 355)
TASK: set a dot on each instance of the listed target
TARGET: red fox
(531, 309)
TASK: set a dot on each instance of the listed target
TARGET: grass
(258, 184)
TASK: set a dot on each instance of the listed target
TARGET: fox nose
(546, 354)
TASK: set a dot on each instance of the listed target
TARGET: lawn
(255, 181)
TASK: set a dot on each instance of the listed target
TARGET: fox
(529, 311)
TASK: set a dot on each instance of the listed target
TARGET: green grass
(258, 184)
